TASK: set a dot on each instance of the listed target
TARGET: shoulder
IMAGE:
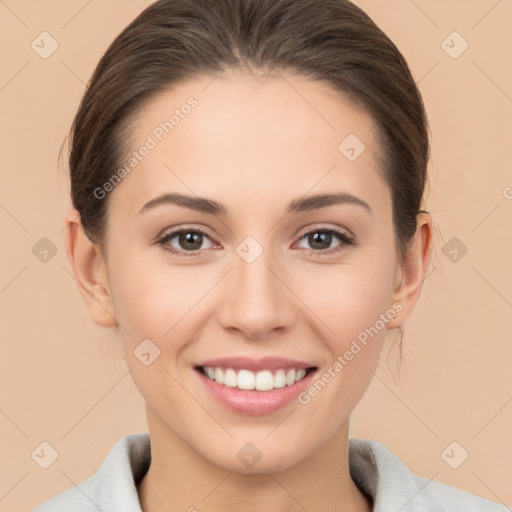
(113, 486)
(384, 477)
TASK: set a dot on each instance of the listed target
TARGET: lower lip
(254, 402)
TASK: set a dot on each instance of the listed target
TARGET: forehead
(260, 137)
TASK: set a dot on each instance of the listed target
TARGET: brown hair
(172, 40)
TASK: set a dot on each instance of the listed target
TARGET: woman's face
(259, 279)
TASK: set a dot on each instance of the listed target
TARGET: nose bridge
(256, 301)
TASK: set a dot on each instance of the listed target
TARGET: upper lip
(255, 365)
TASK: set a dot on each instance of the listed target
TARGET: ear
(89, 268)
(411, 270)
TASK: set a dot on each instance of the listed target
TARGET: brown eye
(321, 240)
(184, 241)
(190, 240)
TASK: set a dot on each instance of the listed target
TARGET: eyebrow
(202, 204)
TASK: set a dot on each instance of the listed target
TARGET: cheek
(349, 297)
(353, 302)
(151, 299)
(154, 304)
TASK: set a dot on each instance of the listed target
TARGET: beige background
(62, 380)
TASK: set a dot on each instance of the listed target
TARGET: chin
(259, 456)
(274, 464)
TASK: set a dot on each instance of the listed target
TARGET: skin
(253, 145)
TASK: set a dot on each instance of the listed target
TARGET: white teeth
(280, 379)
(230, 378)
(263, 380)
(290, 377)
(219, 375)
(245, 379)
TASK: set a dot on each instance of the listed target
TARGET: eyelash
(344, 238)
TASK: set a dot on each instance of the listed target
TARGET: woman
(247, 179)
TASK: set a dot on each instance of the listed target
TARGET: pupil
(321, 238)
(191, 238)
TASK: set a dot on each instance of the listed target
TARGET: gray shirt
(375, 470)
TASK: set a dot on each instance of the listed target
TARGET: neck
(179, 478)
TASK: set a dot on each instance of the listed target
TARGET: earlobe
(413, 269)
(89, 268)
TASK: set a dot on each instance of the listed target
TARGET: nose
(256, 300)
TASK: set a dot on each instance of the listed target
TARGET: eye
(320, 240)
(190, 241)
(187, 240)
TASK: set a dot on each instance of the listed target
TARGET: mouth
(254, 387)
(263, 380)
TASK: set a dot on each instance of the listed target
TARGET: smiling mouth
(264, 380)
